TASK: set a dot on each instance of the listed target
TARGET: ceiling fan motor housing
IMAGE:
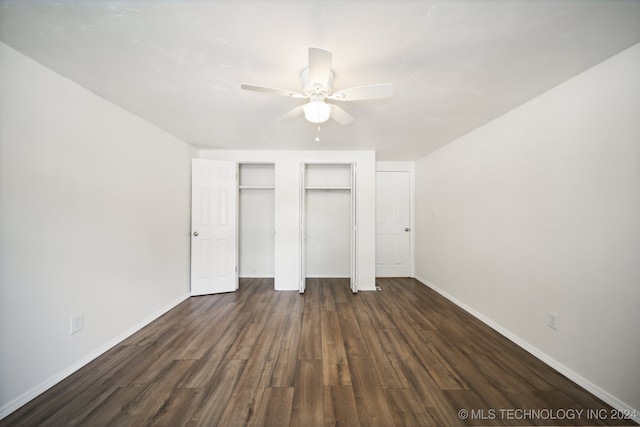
(316, 88)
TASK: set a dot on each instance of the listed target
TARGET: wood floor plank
(275, 408)
(519, 370)
(209, 329)
(476, 411)
(340, 407)
(399, 357)
(421, 383)
(383, 356)
(112, 409)
(94, 397)
(179, 406)
(151, 333)
(285, 351)
(557, 400)
(206, 369)
(354, 344)
(437, 366)
(46, 411)
(379, 313)
(409, 313)
(308, 404)
(499, 376)
(246, 395)
(408, 410)
(246, 341)
(486, 387)
(155, 368)
(214, 400)
(328, 298)
(146, 406)
(145, 359)
(335, 368)
(310, 337)
(373, 409)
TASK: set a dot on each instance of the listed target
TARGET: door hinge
(236, 268)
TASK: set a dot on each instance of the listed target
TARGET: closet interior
(256, 220)
(328, 215)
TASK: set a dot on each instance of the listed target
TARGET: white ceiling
(455, 65)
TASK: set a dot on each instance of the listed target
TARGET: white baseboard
(55, 379)
(256, 276)
(578, 379)
(328, 276)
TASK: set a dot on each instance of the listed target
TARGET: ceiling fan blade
(383, 90)
(319, 65)
(296, 112)
(272, 91)
(340, 116)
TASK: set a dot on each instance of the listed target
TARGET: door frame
(353, 280)
(273, 188)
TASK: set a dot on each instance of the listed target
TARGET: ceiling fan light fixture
(317, 111)
(317, 81)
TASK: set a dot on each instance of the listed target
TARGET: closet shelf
(256, 187)
(321, 188)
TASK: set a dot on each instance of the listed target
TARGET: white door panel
(354, 230)
(393, 222)
(213, 227)
(303, 234)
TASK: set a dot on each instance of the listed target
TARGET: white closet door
(354, 232)
(213, 227)
(303, 238)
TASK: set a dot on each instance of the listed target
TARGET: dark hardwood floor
(404, 356)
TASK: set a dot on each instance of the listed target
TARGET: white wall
(287, 191)
(94, 218)
(328, 233)
(256, 239)
(538, 212)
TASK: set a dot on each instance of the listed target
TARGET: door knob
(407, 229)
(195, 233)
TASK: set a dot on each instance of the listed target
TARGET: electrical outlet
(77, 323)
(552, 320)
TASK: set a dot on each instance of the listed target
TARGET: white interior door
(213, 227)
(354, 232)
(393, 222)
(303, 237)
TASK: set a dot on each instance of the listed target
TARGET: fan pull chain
(318, 135)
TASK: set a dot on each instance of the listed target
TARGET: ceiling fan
(317, 80)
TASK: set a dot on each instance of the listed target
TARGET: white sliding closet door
(213, 227)
(354, 232)
(303, 236)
